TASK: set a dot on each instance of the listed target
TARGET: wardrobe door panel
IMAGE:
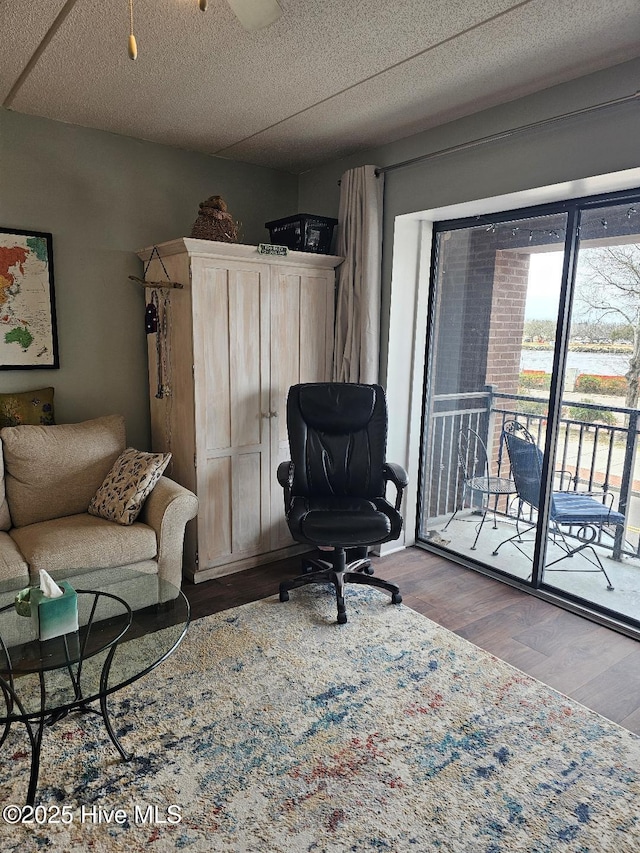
(247, 373)
(214, 527)
(233, 393)
(316, 327)
(212, 373)
(248, 506)
(301, 345)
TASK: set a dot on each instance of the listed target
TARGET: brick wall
(480, 308)
(480, 316)
(506, 324)
(466, 264)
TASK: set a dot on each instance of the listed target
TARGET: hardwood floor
(593, 664)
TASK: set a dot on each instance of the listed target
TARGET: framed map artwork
(28, 335)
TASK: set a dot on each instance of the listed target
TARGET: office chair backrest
(337, 437)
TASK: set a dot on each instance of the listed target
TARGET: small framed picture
(28, 334)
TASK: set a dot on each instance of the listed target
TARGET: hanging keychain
(151, 311)
(151, 315)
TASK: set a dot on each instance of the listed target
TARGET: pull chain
(133, 47)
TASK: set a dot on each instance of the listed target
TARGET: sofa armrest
(167, 510)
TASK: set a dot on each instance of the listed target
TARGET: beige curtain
(357, 331)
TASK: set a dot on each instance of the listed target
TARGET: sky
(543, 293)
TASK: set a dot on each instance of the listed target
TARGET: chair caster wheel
(284, 595)
(342, 618)
(396, 598)
(368, 570)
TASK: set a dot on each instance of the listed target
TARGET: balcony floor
(590, 585)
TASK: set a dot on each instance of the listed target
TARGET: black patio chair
(473, 461)
(581, 513)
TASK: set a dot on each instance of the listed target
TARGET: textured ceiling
(327, 79)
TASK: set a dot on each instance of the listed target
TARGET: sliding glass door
(531, 399)
(598, 427)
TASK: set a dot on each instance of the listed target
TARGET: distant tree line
(608, 285)
(581, 332)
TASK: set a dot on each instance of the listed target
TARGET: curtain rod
(504, 134)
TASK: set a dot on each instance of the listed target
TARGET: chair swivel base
(324, 571)
(356, 560)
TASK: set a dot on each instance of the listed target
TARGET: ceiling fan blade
(255, 14)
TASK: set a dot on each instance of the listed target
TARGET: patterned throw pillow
(127, 485)
(27, 407)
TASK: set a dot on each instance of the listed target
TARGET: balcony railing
(592, 456)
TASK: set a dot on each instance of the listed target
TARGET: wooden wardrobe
(243, 329)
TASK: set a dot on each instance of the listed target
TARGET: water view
(608, 364)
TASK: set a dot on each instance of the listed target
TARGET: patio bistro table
(129, 622)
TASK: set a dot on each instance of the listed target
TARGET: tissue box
(55, 616)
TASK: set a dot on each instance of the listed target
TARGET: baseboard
(388, 548)
(246, 563)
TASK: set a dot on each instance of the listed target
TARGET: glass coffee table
(129, 622)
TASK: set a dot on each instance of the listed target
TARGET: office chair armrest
(395, 473)
(285, 478)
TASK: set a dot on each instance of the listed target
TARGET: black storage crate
(303, 232)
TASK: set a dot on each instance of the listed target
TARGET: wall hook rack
(158, 285)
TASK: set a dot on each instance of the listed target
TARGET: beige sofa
(48, 476)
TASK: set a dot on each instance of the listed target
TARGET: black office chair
(334, 485)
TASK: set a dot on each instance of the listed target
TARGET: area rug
(273, 729)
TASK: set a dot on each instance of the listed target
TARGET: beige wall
(580, 147)
(102, 197)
